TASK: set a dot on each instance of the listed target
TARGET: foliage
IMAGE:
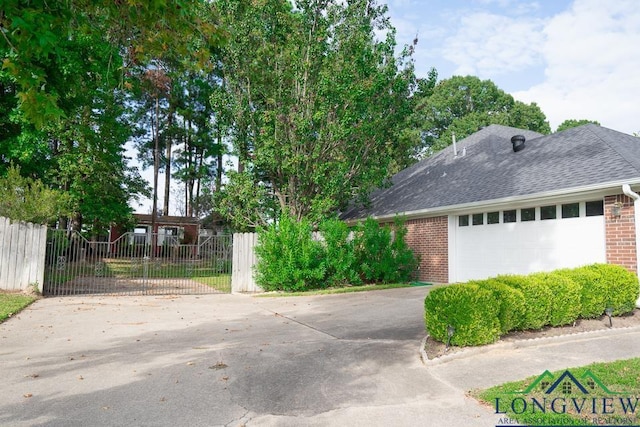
(315, 101)
(511, 304)
(471, 309)
(35, 37)
(289, 258)
(380, 256)
(621, 287)
(341, 263)
(556, 298)
(593, 298)
(463, 105)
(572, 123)
(565, 304)
(537, 297)
(11, 304)
(245, 203)
(27, 199)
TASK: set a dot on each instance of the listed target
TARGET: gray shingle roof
(490, 170)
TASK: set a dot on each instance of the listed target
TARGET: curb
(516, 344)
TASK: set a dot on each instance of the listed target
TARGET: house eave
(565, 194)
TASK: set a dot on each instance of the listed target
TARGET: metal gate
(129, 266)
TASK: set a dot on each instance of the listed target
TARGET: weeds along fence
(22, 255)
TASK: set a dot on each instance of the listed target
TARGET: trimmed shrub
(288, 257)
(593, 294)
(511, 304)
(470, 309)
(566, 295)
(537, 300)
(621, 287)
(340, 262)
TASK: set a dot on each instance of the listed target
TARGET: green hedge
(622, 287)
(537, 300)
(482, 310)
(511, 304)
(469, 308)
(566, 297)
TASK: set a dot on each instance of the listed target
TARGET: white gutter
(561, 194)
(626, 189)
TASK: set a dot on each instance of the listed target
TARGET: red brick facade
(620, 232)
(428, 237)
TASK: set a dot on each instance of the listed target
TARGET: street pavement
(236, 360)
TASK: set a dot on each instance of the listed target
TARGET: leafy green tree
(316, 101)
(462, 105)
(572, 123)
(34, 34)
(27, 199)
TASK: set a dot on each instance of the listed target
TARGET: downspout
(626, 189)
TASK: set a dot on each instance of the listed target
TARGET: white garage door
(521, 247)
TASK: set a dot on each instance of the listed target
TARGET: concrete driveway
(236, 360)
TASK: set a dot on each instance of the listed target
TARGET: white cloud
(491, 45)
(592, 57)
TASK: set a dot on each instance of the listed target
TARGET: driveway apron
(233, 360)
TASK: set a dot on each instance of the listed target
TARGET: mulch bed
(435, 349)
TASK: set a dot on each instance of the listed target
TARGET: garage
(526, 240)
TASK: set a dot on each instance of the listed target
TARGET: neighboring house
(171, 230)
(487, 209)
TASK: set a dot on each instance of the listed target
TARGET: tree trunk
(156, 164)
(167, 166)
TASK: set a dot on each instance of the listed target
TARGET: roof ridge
(590, 127)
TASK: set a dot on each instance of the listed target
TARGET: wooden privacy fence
(22, 255)
(244, 259)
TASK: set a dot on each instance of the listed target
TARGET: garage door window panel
(571, 210)
(595, 208)
(477, 219)
(509, 216)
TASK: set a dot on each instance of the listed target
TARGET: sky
(576, 59)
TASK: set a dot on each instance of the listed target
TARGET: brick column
(620, 232)
(429, 240)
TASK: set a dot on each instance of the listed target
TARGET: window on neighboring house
(463, 220)
(571, 210)
(595, 208)
(548, 212)
(528, 214)
(477, 219)
(493, 217)
(509, 216)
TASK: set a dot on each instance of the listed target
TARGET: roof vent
(518, 143)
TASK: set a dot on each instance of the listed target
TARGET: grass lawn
(611, 398)
(345, 290)
(10, 304)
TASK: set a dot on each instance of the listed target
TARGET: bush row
(291, 258)
(480, 311)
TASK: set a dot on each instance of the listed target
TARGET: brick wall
(620, 232)
(428, 237)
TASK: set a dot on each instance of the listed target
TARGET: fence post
(243, 262)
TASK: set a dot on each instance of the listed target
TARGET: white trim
(564, 195)
(451, 249)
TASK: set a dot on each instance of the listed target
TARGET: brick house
(494, 204)
(169, 229)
